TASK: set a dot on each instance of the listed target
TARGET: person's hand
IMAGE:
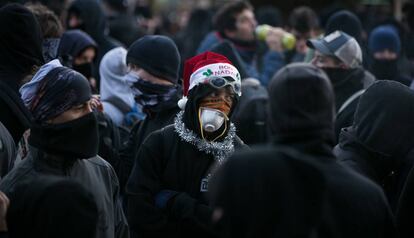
(164, 197)
(274, 39)
(96, 103)
(4, 205)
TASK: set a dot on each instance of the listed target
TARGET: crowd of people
(110, 127)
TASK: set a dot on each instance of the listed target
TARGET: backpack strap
(352, 98)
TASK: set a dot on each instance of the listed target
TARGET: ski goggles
(219, 82)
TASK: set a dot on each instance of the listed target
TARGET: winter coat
(262, 67)
(268, 184)
(405, 210)
(166, 161)
(137, 136)
(379, 143)
(7, 150)
(14, 115)
(358, 80)
(304, 120)
(96, 174)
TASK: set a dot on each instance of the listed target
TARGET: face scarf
(218, 104)
(152, 97)
(385, 69)
(337, 75)
(85, 69)
(50, 48)
(76, 139)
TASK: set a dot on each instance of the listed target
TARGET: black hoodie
(41, 208)
(302, 117)
(20, 53)
(379, 142)
(273, 192)
(94, 23)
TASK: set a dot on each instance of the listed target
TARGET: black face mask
(85, 69)
(337, 75)
(385, 69)
(77, 139)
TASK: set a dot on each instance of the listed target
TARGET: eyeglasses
(218, 82)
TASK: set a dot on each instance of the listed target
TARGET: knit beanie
(384, 37)
(158, 55)
(345, 21)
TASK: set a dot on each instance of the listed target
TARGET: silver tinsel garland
(220, 150)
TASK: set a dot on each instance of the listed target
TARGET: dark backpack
(250, 115)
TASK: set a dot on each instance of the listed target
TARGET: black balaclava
(281, 196)
(60, 90)
(302, 108)
(52, 207)
(384, 38)
(383, 122)
(20, 44)
(191, 118)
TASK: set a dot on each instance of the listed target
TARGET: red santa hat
(200, 68)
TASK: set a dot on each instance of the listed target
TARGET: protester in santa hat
(168, 185)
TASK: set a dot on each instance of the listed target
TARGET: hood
(20, 44)
(72, 43)
(281, 186)
(92, 15)
(301, 105)
(384, 118)
(38, 206)
(112, 70)
(191, 119)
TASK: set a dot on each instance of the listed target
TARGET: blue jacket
(272, 61)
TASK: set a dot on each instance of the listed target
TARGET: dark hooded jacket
(379, 143)
(346, 84)
(94, 23)
(72, 44)
(21, 53)
(405, 210)
(7, 150)
(37, 206)
(268, 184)
(304, 120)
(176, 159)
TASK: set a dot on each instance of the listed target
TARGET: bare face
(301, 39)
(86, 56)
(245, 26)
(72, 114)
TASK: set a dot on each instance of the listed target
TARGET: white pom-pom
(181, 103)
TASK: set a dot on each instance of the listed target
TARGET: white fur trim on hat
(182, 102)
